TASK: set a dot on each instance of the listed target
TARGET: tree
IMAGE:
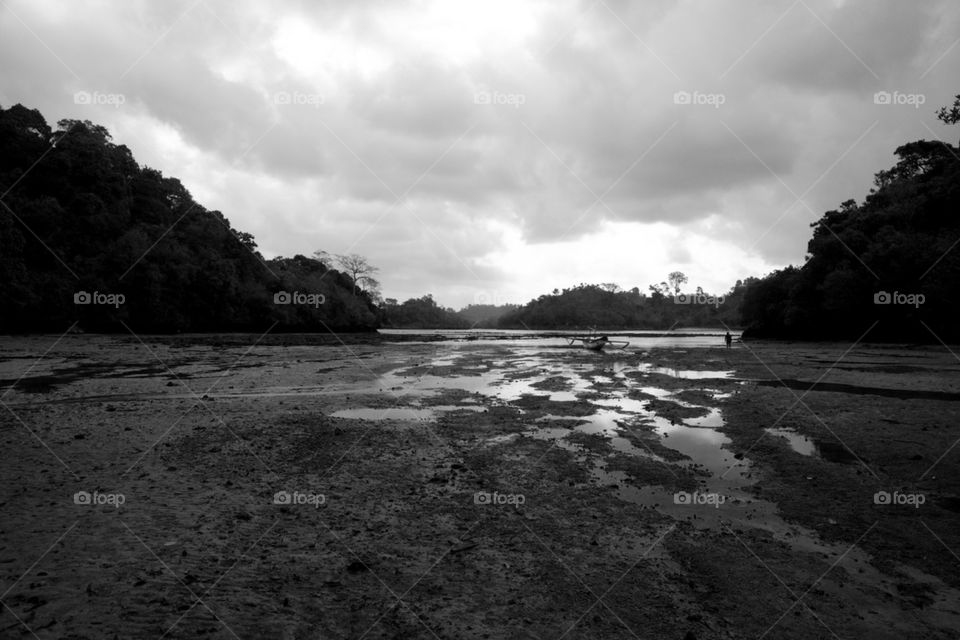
(951, 116)
(661, 289)
(358, 268)
(373, 290)
(676, 278)
(81, 215)
(885, 265)
(246, 239)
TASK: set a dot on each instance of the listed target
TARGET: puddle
(603, 423)
(704, 447)
(656, 392)
(726, 482)
(799, 443)
(505, 380)
(623, 405)
(510, 379)
(713, 420)
(815, 447)
(556, 434)
(686, 374)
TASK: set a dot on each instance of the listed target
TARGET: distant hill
(89, 236)
(887, 269)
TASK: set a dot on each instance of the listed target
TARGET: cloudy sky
(495, 150)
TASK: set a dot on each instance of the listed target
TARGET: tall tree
(676, 278)
(358, 268)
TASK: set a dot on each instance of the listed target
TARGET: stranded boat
(597, 343)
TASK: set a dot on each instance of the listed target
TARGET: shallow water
(800, 443)
(723, 498)
(829, 450)
(685, 374)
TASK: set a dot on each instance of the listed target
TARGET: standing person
(728, 339)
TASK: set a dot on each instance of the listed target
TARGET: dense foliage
(421, 313)
(885, 269)
(79, 216)
(607, 307)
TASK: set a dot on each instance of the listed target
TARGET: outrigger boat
(597, 343)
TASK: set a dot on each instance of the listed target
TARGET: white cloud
(500, 124)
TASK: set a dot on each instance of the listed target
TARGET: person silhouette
(728, 339)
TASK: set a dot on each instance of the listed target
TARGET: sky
(489, 152)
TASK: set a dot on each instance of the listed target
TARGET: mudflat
(359, 488)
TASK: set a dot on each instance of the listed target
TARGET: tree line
(90, 239)
(607, 306)
(885, 269)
